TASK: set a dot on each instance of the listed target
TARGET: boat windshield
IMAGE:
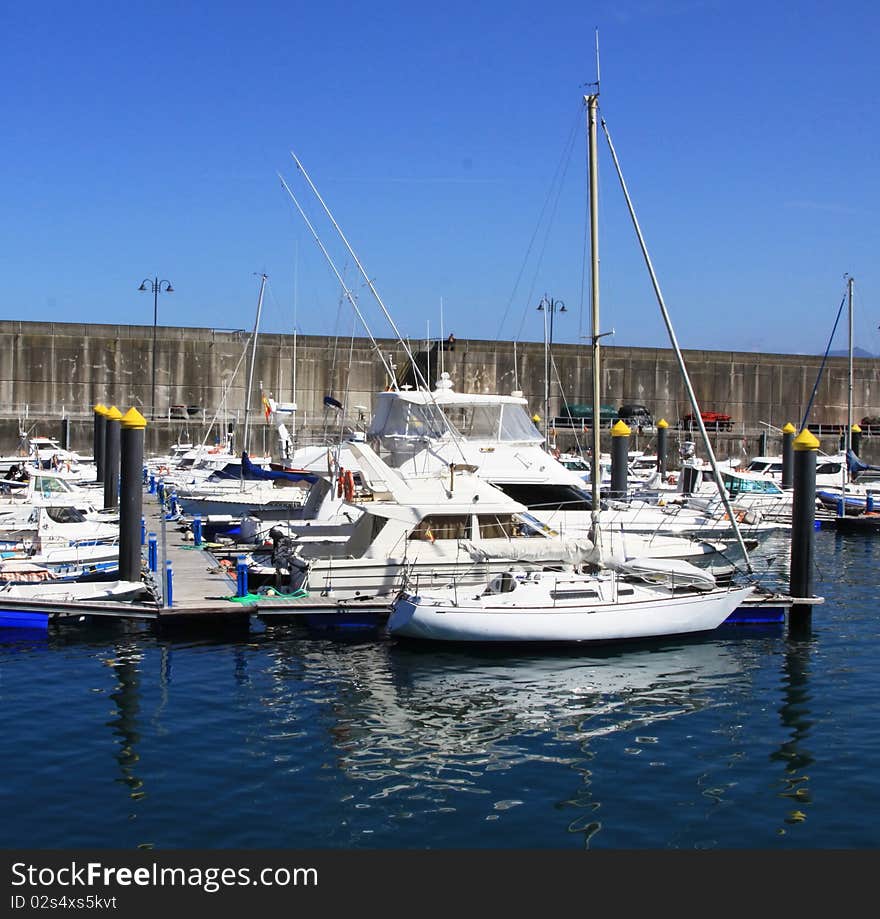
(65, 515)
(736, 485)
(47, 485)
(399, 418)
(494, 421)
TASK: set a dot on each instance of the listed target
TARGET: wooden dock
(201, 589)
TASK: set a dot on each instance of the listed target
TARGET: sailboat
(608, 603)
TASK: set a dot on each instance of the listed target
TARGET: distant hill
(857, 352)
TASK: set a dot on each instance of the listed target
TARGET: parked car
(636, 416)
(717, 421)
(580, 412)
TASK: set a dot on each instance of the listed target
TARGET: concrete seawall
(52, 369)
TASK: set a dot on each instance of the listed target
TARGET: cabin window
(829, 469)
(64, 514)
(499, 526)
(546, 497)
(441, 527)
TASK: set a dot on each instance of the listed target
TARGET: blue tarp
(855, 465)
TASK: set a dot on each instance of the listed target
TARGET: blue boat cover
(854, 464)
(257, 472)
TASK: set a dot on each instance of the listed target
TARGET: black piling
(662, 441)
(762, 444)
(131, 499)
(64, 438)
(111, 457)
(856, 439)
(788, 433)
(100, 433)
(619, 459)
(803, 519)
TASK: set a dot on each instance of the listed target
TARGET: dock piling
(619, 460)
(98, 435)
(803, 518)
(662, 439)
(112, 440)
(788, 433)
(197, 530)
(131, 494)
(152, 551)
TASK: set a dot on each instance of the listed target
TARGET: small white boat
(73, 592)
(541, 606)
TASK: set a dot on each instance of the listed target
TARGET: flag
(329, 400)
(267, 408)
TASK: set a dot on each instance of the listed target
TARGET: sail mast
(592, 102)
(849, 401)
(247, 413)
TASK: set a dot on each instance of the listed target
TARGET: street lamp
(548, 307)
(156, 287)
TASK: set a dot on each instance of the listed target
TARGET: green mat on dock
(262, 598)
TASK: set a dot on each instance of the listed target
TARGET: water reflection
(424, 731)
(794, 714)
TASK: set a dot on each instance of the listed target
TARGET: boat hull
(493, 621)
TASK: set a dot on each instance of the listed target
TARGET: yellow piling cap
(806, 440)
(113, 413)
(620, 430)
(856, 429)
(789, 429)
(100, 409)
(662, 423)
(133, 419)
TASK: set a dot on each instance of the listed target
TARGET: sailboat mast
(250, 386)
(592, 102)
(849, 402)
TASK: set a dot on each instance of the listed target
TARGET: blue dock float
(23, 619)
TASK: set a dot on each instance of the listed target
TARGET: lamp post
(155, 286)
(548, 307)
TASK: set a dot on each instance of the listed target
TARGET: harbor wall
(50, 370)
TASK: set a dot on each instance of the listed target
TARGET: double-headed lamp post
(548, 307)
(155, 285)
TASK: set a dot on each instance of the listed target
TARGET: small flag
(329, 400)
(267, 408)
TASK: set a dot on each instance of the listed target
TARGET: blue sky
(144, 140)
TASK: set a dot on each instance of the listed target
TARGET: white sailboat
(610, 604)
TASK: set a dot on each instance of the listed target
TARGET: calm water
(273, 737)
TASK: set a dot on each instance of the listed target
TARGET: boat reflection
(403, 715)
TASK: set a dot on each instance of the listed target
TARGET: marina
(413, 441)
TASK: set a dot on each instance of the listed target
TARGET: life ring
(670, 479)
(348, 484)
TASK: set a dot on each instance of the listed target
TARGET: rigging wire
(554, 180)
(564, 163)
(822, 365)
(725, 498)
